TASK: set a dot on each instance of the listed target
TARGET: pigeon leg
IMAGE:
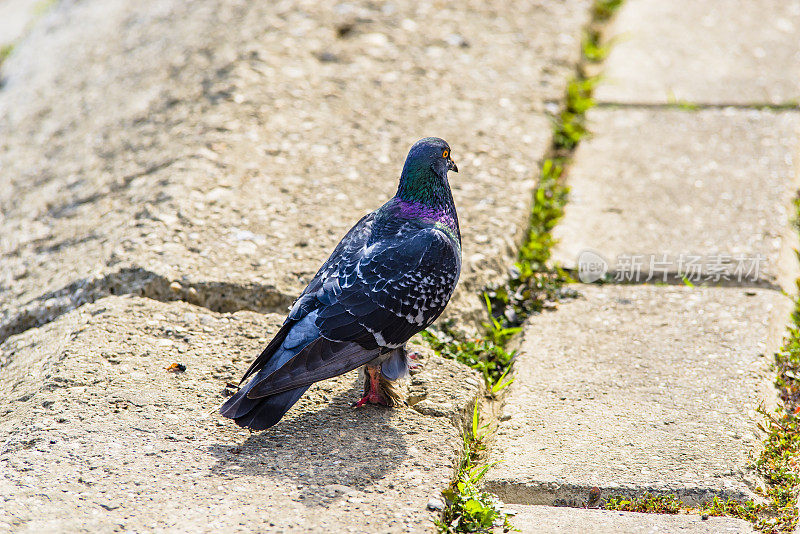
(373, 394)
(416, 356)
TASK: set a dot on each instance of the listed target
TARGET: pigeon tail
(265, 410)
(302, 358)
(261, 413)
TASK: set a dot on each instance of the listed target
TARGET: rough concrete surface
(639, 388)
(709, 184)
(731, 52)
(15, 17)
(95, 434)
(552, 520)
(236, 142)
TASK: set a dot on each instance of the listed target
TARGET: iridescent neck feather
(422, 194)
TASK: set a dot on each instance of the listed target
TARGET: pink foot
(414, 364)
(370, 398)
(373, 396)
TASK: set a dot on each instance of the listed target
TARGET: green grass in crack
(747, 510)
(570, 125)
(482, 354)
(653, 504)
(671, 504)
(779, 459)
(593, 50)
(471, 509)
(530, 288)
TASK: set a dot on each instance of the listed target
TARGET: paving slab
(556, 520)
(703, 194)
(15, 17)
(735, 52)
(95, 434)
(635, 389)
(238, 146)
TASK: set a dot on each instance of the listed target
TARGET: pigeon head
(424, 176)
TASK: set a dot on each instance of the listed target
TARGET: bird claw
(370, 398)
(373, 395)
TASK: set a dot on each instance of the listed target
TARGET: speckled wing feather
(397, 284)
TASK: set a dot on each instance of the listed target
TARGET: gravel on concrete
(238, 145)
(96, 435)
(553, 520)
(733, 52)
(635, 389)
(689, 191)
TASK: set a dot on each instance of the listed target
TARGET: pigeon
(390, 277)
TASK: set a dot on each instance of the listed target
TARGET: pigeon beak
(451, 165)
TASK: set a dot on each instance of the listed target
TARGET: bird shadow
(335, 445)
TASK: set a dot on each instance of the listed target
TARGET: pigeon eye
(445, 153)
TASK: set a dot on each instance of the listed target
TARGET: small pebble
(175, 287)
(704, 517)
(328, 57)
(435, 505)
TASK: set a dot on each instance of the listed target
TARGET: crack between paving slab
(669, 278)
(567, 495)
(217, 296)
(700, 106)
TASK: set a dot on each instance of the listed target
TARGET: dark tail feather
(260, 413)
(267, 353)
(319, 360)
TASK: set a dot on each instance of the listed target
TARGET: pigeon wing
(394, 289)
(353, 241)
